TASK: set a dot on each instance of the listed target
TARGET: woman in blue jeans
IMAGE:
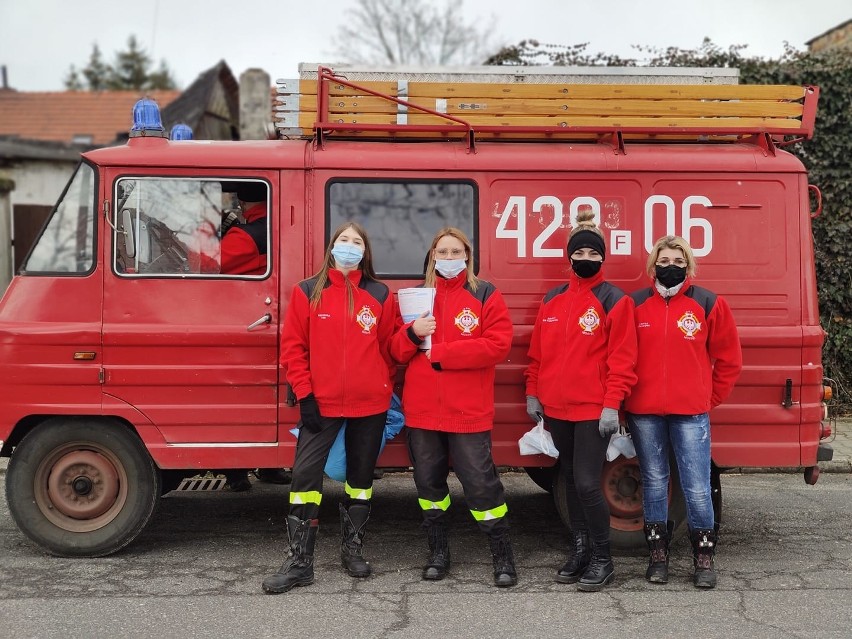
(689, 359)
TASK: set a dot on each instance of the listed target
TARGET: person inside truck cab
(689, 359)
(244, 244)
(335, 350)
(582, 355)
(448, 400)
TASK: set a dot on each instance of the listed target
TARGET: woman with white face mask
(335, 349)
(448, 401)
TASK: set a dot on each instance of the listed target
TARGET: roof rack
(543, 106)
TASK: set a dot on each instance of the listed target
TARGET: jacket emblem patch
(590, 321)
(366, 319)
(689, 324)
(466, 321)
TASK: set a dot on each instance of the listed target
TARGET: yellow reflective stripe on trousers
(363, 494)
(494, 513)
(310, 497)
(425, 504)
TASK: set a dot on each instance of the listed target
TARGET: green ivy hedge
(827, 157)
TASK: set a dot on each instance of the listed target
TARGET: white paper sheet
(413, 302)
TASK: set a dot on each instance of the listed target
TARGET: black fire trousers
(431, 454)
(363, 443)
(582, 453)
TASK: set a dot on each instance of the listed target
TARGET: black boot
(504, 561)
(600, 570)
(703, 550)
(353, 524)
(439, 551)
(581, 553)
(658, 535)
(298, 569)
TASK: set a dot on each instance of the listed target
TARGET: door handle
(266, 319)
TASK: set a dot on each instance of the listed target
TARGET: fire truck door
(192, 348)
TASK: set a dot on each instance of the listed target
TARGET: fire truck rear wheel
(81, 487)
(622, 489)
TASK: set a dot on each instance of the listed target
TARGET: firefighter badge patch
(689, 324)
(466, 321)
(590, 321)
(366, 319)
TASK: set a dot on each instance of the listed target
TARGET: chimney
(255, 105)
(3, 80)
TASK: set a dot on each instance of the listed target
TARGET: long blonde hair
(671, 242)
(430, 278)
(365, 266)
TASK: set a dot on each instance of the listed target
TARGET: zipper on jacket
(665, 357)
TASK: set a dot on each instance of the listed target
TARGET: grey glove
(608, 424)
(534, 408)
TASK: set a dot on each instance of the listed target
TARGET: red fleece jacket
(689, 352)
(454, 391)
(582, 350)
(342, 358)
(239, 250)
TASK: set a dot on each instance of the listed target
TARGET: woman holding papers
(448, 400)
(335, 349)
(582, 354)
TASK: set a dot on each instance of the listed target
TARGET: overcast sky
(40, 39)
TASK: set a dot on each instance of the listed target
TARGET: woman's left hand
(428, 354)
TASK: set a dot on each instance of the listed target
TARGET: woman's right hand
(424, 325)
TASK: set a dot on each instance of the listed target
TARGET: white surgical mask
(450, 268)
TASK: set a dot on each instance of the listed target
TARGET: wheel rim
(622, 489)
(81, 486)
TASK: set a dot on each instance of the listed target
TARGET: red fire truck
(131, 362)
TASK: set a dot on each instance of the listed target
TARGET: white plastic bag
(620, 444)
(537, 441)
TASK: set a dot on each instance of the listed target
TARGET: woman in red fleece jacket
(335, 350)
(582, 354)
(689, 360)
(448, 400)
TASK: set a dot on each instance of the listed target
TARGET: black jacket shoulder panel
(307, 286)
(556, 290)
(705, 298)
(257, 232)
(376, 289)
(608, 295)
(482, 292)
(642, 295)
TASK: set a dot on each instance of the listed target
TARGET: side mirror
(127, 226)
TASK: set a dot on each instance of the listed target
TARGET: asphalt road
(784, 562)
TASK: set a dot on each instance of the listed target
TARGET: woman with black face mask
(582, 354)
(689, 359)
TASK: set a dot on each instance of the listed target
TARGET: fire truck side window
(66, 244)
(174, 226)
(402, 217)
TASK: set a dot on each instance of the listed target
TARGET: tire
(543, 476)
(621, 484)
(81, 487)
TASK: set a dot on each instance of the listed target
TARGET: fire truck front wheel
(81, 487)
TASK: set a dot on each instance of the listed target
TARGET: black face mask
(671, 275)
(586, 268)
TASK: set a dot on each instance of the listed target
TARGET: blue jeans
(689, 438)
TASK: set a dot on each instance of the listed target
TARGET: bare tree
(412, 32)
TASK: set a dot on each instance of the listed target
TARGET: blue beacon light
(180, 132)
(146, 120)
